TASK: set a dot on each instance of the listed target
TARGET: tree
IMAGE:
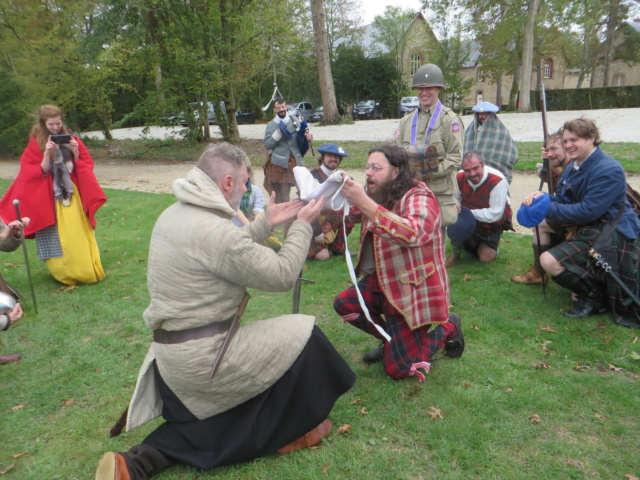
(527, 56)
(331, 115)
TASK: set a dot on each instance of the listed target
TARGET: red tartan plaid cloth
(407, 347)
(409, 257)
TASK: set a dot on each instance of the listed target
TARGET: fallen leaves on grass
(357, 401)
(15, 408)
(630, 476)
(545, 347)
(542, 365)
(535, 419)
(547, 329)
(363, 411)
(325, 467)
(69, 402)
(435, 413)
(67, 288)
(600, 417)
(7, 469)
(613, 368)
(12, 265)
(466, 277)
(508, 390)
(18, 456)
(344, 429)
(574, 463)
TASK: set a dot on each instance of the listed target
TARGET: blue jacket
(593, 192)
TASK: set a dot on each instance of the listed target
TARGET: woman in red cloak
(58, 190)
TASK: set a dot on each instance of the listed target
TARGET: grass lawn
(535, 396)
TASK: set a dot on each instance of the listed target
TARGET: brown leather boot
(310, 439)
(12, 357)
(452, 259)
(112, 466)
(532, 277)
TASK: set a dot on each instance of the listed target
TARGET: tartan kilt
(275, 174)
(573, 255)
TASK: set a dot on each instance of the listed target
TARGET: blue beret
(334, 149)
(464, 227)
(486, 107)
(533, 214)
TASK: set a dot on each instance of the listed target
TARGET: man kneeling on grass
(401, 263)
(278, 379)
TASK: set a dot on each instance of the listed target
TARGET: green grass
(82, 351)
(172, 151)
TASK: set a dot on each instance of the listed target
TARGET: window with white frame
(479, 96)
(548, 68)
(480, 75)
(618, 80)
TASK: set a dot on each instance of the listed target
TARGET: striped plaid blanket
(494, 142)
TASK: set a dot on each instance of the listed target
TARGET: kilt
(407, 347)
(573, 255)
(274, 174)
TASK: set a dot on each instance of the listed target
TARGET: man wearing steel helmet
(489, 136)
(328, 232)
(434, 124)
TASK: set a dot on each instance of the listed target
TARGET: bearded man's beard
(382, 195)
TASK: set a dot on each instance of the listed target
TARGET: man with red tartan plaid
(403, 282)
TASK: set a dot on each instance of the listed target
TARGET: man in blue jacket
(591, 195)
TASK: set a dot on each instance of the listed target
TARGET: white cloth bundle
(311, 189)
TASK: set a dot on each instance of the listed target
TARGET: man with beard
(591, 197)
(328, 233)
(276, 379)
(434, 124)
(485, 192)
(283, 137)
(488, 135)
(551, 234)
(403, 282)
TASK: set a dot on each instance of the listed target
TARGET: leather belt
(169, 337)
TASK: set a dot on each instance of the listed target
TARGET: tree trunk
(612, 22)
(327, 90)
(524, 104)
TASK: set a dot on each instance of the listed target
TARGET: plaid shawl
(494, 142)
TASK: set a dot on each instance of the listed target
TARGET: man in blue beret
(484, 191)
(591, 198)
(489, 136)
(329, 235)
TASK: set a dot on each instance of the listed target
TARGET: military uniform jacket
(448, 137)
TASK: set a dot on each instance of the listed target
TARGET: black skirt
(293, 406)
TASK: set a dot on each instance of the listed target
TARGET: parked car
(211, 114)
(244, 115)
(318, 115)
(406, 105)
(366, 109)
(304, 109)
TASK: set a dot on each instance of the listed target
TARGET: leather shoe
(310, 439)
(375, 355)
(586, 306)
(531, 277)
(12, 357)
(112, 466)
(455, 347)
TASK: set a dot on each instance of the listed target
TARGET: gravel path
(616, 126)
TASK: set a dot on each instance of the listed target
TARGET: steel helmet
(428, 75)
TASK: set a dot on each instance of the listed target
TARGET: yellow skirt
(80, 261)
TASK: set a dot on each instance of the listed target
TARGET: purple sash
(432, 123)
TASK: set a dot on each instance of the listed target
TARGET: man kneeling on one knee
(483, 197)
(591, 199)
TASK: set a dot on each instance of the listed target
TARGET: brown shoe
(112, 466)
(12, 357)
(533, 277)
(310, 439)
(452, 259)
